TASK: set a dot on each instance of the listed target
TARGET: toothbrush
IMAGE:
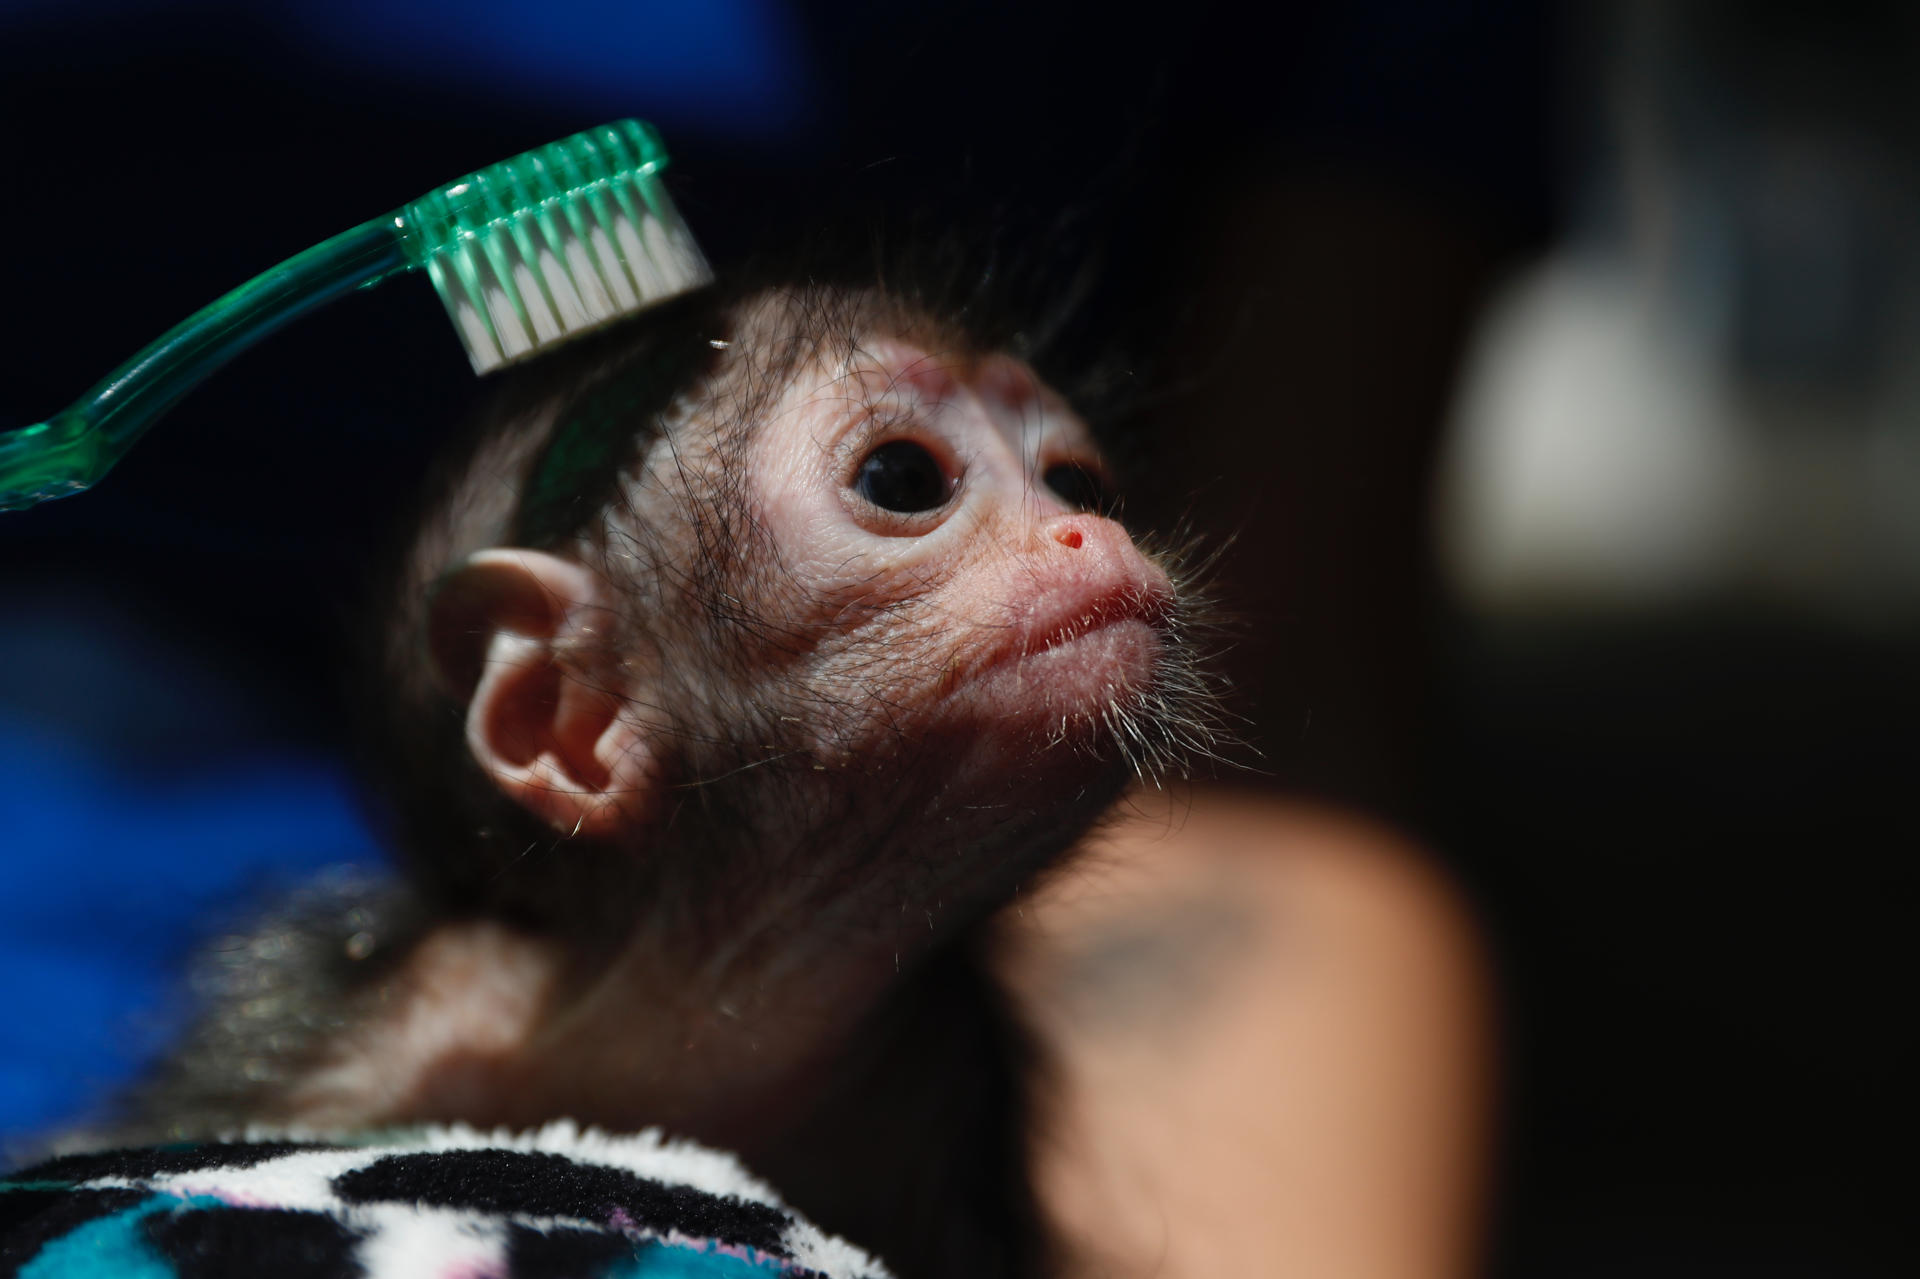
(524, 254)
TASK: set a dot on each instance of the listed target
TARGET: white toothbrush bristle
(514, 341)
(593, 292)
(478, 337)
(661, 253)
(573, 316)
(548, 271)
(614, 274)
(533, 302)
(631, 253)
(647, 271)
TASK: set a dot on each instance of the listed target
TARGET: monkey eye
(1078, 487)
(903, 477)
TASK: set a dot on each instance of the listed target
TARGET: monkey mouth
(1114, 633)
(1069, 653)
(1133, 602)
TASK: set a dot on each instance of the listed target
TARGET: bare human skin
(1265, 1047)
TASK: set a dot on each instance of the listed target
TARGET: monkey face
(944, 518)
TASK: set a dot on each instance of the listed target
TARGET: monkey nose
(1084, 531)
(1103, 550)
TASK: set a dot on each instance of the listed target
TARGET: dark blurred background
(1548, 364)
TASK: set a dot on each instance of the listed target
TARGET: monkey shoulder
(268, 1002)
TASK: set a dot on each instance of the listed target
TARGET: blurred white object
(1590, 459)
(1712, 394)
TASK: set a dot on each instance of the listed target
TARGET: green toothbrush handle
(71, 451)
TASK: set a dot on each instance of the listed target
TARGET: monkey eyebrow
(898, 363)
(881, 419)
(929, 377)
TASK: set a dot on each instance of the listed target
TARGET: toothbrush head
(534, 250)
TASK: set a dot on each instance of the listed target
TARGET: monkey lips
(1085, 645)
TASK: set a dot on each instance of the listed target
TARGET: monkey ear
(511, 633)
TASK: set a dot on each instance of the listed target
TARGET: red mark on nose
(1074, 530)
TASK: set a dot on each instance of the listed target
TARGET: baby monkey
(749, 658)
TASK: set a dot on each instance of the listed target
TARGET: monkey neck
(725, 1048)
(731, 1003)
(490, 1026)
(731, 1035)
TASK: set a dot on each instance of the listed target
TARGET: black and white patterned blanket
(439, 1203)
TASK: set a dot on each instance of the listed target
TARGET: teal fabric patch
(113, 1247)
(671, 1261)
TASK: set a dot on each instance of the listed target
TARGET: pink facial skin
(1032, 614)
